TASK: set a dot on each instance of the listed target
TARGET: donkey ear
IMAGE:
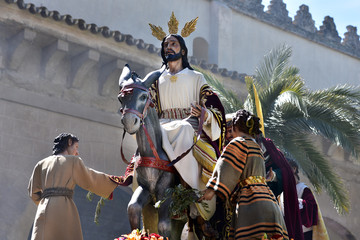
(125, 74)
(151, 77)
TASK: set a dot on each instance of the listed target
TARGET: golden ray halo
(173, 25)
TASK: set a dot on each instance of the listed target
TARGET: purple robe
(291, 207)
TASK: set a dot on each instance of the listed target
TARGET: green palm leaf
(317, 169)
(292, 114)
(229, 98)
(273, 65)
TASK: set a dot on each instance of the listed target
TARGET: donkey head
(135, 97)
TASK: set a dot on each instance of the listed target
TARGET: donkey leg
(165, 181)
(139, 198)
(164, 224)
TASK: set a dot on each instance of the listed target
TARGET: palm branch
(292, 114)
(228, 97)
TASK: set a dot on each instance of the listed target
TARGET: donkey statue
(152, 173)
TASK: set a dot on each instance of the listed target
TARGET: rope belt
(59, 191)
(252, 180)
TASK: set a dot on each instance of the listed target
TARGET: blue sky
(345, 12)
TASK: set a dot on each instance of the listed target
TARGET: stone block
(42, 149)
(17, 145)
(19, 111)
(6, 125)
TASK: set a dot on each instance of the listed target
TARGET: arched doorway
(337, 231)
(201, 49)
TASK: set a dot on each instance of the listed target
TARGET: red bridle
(144, 161)
(128, 90)
(169, 166)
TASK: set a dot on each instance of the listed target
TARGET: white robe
(178, 135)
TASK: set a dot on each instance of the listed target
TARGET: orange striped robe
(257, 211)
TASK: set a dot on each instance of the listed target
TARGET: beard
(173, 57)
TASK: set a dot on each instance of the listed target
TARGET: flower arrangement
(141, 235)
(275, 237)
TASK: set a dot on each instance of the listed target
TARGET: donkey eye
(143, 97)
(120, 98)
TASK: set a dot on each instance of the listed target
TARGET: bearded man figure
(181, 95)
(187, 107)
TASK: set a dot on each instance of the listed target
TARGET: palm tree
(293, 115)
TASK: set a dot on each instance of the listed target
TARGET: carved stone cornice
(328, 30)
(351, 38)
(277, 9)
(303, 19)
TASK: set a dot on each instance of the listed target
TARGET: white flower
(157, 204)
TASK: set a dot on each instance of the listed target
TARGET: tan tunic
(57, 216)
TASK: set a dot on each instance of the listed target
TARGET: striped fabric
(241, 167)
(257, 231)
(203, 152)
(175, 113)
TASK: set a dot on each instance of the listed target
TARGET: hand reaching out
(270, 175)
(196, 111)
(208, 195)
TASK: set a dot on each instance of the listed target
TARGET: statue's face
(229, 133)
(73, 148)
(172, 49)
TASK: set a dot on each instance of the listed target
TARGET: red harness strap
(155, 161)
(127, 90)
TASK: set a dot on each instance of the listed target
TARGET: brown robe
(57, 216)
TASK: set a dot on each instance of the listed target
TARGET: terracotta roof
(82, 25)
(118, 36)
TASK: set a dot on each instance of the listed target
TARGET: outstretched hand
(270, 175)
(208, 195)
(196, 111)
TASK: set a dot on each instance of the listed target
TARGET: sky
(344, 12)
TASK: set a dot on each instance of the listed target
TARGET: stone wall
(58, 73)
(239, 33)
(26, 137)
(55, 78)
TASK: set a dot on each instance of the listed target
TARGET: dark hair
(294, 164)
(246, 122)
(185, 62)
(61, 142)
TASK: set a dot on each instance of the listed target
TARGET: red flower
(155, 235)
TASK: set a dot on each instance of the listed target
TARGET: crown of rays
(173, 25)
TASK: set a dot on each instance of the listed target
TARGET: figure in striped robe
(239, 178)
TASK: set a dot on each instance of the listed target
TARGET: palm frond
(318, 170)
(290, 72)
(273, 65)
(292, 113)
(271, 94)
(342, 99)
(229, 98)
(321, 120)
(334, 127)
(250, 100)
(292, 98)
